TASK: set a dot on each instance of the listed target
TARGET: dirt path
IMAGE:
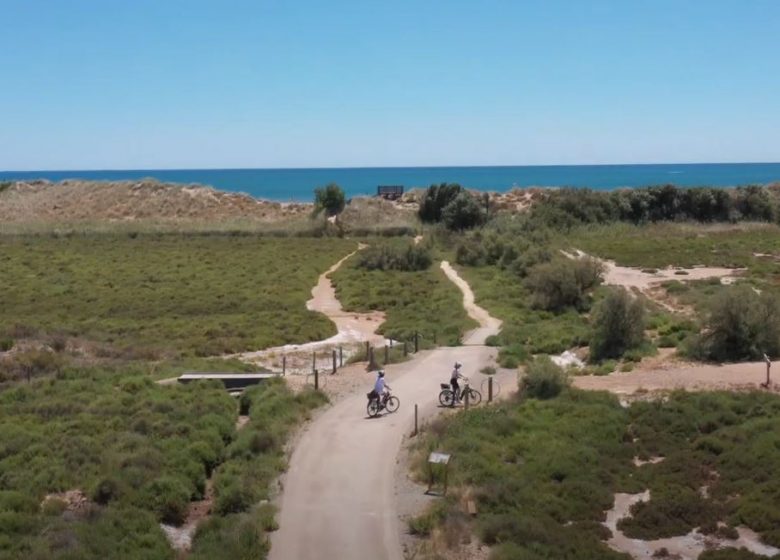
(352, 330)
(488, 325)
(693, 377)
(650, 283)
(338, 499)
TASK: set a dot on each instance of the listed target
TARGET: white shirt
(379, 386)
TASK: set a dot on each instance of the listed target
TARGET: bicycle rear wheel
(373, 408)
(392, 404)
(446, 397)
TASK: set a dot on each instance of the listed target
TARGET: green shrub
(563, 283)
(618, 325)
(170, 498)
(393, 257)
(741, 325)
(463, 212)
(329, 198)
(543, 379)
(106, 490)
(6, 343)
(435, 199)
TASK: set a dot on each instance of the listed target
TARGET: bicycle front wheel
(392, 404)
(475, 397)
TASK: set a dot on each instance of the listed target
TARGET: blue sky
(114, 84)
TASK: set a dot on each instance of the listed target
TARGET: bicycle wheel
(445, 397)
(392, 404)
(373, 408)
(475, 397)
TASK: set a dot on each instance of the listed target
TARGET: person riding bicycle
(381, 391)
(454, 382)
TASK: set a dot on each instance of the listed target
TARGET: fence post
(386, 354)
(415, 419)
(316, 380)
(367, 349)
(284, 365)
(416, 342)
(406, 349)
(467, 398)
(314, 360)
(490, 389)
(334, 360)
(341, 356)
(434, 338)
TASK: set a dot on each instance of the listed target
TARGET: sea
(299, 184)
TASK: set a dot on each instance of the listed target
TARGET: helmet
(381, 373)
(457, 365)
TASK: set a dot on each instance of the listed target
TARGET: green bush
(6, 343)
(329, 198)
(618, 325)
(170, 499)
(463, 212)
(435, 199)
(394, 257)
(741, 325)
(543, 379)
(563, 283)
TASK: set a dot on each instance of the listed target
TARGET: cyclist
(454, 382)
(380, 389)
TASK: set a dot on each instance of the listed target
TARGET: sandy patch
(685, 547)
(688, 376)
(650, 283)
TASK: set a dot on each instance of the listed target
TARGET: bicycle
(390, 403)
(447, 397)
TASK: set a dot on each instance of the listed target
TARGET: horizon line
(316, 168)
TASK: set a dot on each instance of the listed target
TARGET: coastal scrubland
(155, 295)
(137, 453)
(403, 280)
(543, 472)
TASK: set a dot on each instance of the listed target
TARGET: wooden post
(406, 349)
(434, 338)
(468, 391)
(314, 361)
(284, 365)
(368, 346)
(768, 365)
(490, 389)
(416, 342)
(341, 356)
(387, 350)
(334, 360)
(316, 380)
(415, 419)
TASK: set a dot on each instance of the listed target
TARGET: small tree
(741, 325)
(543, 379)
(563, 283)
(618, 325)
(435, 199)
(463, 212)
(329, 198)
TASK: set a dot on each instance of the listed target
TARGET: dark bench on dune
(390, 192)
